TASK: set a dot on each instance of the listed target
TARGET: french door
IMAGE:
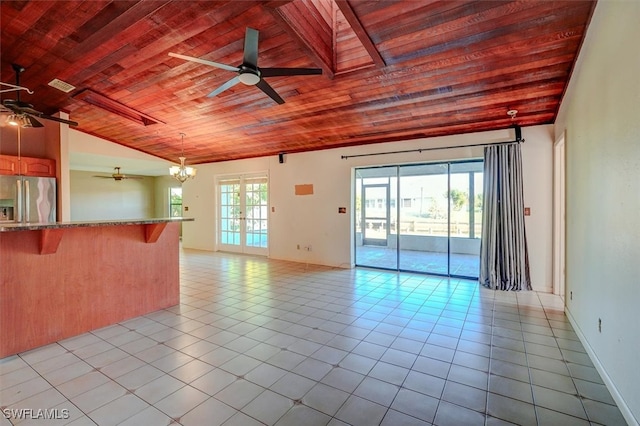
(243, 213)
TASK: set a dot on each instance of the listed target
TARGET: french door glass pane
(257, 211)
(230, 212)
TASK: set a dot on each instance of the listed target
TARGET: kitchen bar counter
(14, 226)
(58, 280)
(52, 232)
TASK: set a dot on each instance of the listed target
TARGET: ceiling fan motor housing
(249, 76)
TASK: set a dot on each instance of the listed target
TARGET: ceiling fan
(248, 72)
(22, 113)
(117, 176)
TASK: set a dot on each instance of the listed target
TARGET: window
(175, 202)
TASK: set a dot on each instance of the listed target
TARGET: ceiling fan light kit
(22, 113)
(15, 120)
(117, 176)
(248, 76)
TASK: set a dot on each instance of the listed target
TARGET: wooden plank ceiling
(392, 70)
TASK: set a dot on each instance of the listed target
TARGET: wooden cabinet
(8, 165)
(27, 166)
(42, 167)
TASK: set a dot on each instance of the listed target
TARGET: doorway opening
(420, 218)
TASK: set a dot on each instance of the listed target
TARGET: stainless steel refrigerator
(26, 199)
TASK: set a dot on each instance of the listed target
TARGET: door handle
(18, 216)
(27, 199)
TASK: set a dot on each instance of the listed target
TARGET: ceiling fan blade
(12, 103)
(18, 106)
(276, 72)
(235, 80)
(251, 48)
(205, 62)
(264, 86)
(30, 110)
(59, 120)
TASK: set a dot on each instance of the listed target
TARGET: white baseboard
(622, 405)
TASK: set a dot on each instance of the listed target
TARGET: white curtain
(504, 260)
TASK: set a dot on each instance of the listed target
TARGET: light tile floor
(257, 341)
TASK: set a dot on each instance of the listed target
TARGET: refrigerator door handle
(18, 215)
(27, 202)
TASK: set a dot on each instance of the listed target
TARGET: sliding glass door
(424, 218)
(420, 218)
(465, 205)
(376, 215)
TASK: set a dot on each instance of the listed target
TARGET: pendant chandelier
(182, 172)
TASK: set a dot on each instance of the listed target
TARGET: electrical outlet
(599, 325)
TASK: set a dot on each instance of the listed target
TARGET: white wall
(314, 219)
(601, 116)
(537, 158)
(97, 199)
(90, 153)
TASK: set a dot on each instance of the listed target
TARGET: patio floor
(463, 265)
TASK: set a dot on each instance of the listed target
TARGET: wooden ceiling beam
(361, 33)
(295, 19)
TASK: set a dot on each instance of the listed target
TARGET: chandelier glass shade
(181, 173)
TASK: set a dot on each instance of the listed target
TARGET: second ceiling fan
(248, 72)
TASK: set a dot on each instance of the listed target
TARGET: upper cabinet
(27, 166)
(42, 167)
(8, 165)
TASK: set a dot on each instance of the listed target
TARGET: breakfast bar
(58, 280)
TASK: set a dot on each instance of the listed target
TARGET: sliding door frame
(398, 167)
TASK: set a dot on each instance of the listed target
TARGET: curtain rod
(518, 139)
